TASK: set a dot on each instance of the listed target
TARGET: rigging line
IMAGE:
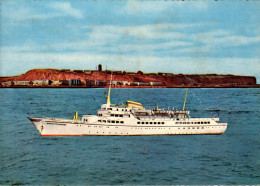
(121, 95)
(97, 100)
(202, 103)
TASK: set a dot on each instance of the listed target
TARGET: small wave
(215, 110)
(239, 112)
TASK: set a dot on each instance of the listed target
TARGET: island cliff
(127, 79)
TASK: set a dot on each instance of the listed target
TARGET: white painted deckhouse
(129, 119)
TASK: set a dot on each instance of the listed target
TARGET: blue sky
(153, 36)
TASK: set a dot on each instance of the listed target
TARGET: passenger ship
(129, 119)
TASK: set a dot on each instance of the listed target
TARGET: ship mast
(108, 96)
(186, 93)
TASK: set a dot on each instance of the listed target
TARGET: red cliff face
(168, 80)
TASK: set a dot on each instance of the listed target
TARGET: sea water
(230, 158)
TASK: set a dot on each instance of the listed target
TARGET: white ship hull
(129, 119)
(60, 127)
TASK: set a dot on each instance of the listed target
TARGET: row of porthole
(161, 128)
(151, 122)
(110, 121)
(200, 122)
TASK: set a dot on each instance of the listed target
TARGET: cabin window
(99, 120)
(116, 115)
(147, 123)
(138, 122)
(104, 121)
(121, 121)
(155, 123)
(113, 121)
(162, 122)
(198, 122)
(142, 122)
(117, 121)
(151, 122)
(159, 122)
(109, 109)
(116, 109)
(108, 121)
